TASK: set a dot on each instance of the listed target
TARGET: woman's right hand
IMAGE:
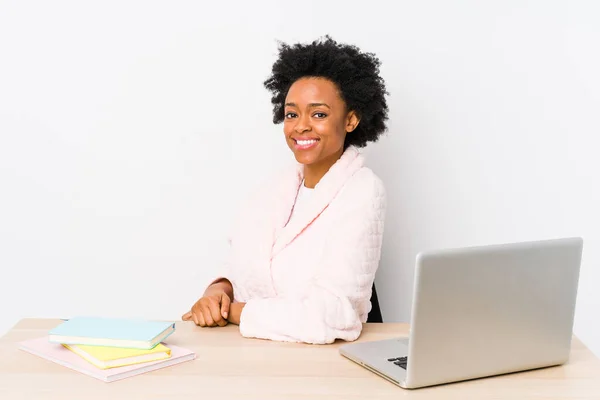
(212, 309)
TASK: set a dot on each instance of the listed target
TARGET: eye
(320, 115)
(290, 115)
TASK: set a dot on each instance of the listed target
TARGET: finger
(207, 316)
(201, 321)
(187, 316)
(215, 313)
(197, 314)
(225, 303)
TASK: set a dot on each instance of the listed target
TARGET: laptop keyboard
(399, 361)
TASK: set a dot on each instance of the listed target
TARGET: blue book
(112, 332)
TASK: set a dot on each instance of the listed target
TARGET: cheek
(333, 130)
(287, 127)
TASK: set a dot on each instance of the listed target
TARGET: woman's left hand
(235, 312)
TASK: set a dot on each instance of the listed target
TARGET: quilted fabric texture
(310, 280)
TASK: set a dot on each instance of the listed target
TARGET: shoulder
(367, 180)
(366, 185)
(363, 194)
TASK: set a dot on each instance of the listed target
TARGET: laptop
(482, 311)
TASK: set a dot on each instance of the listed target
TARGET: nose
(302, 124)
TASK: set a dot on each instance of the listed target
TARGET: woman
(305, 251)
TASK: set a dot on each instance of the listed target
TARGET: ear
(352, 121)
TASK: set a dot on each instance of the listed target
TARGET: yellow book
(111, 357)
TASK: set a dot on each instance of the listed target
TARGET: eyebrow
(310, 105)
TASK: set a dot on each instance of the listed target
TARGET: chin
(305, 158)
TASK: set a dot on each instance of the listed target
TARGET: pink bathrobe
(309, 280)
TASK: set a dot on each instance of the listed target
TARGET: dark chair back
(375, 313)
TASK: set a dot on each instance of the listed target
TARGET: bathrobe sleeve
(340, 292)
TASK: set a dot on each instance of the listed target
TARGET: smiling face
(316, 122)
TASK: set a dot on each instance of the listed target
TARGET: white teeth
(306, 142)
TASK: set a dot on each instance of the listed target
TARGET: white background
(131, 130)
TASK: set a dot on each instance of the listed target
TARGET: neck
(314, 172)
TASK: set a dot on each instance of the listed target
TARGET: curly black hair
(356, 74)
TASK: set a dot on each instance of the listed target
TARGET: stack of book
(109, 349)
